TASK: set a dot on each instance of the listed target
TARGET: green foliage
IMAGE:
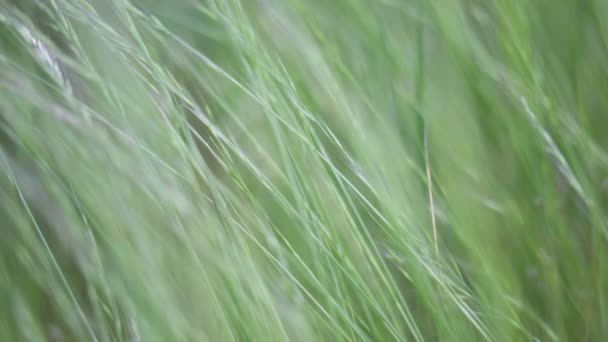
(303, 170)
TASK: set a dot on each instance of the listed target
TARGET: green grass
(303, 170)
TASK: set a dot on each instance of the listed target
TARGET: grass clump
(286, 170)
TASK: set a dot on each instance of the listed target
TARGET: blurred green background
(303, 170)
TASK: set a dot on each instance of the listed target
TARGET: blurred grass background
(303, 170)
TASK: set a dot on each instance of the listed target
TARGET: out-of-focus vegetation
(303, 170)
